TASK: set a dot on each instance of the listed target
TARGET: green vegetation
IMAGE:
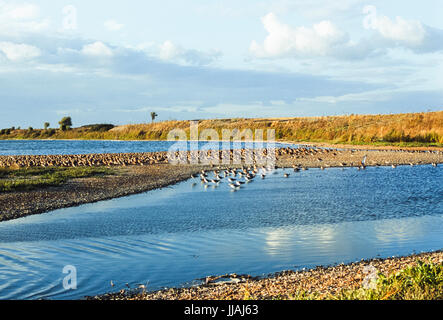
(409, 129)
(421, 282)
(34, 178)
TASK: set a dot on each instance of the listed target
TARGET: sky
(117, 61)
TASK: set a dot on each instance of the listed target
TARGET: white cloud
(170, 52)
(69, 111)
(369, 96)
(277, 102)
(19, 52)
(314, 9)
(282, 40)
(239, 109)
(410, 33)
(24, 11)
(113, 25)
(326, 39)
(97, 48)
(169, 108)
(17, 18)
(57, 68)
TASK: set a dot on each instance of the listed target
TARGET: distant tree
(65, 123)
(153, 116)
(46, 125)
(30, 129)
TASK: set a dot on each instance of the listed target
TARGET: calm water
(43, 147)
(174, 236)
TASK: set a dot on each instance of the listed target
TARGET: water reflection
(398, 230)
(276, 241)
(352, 239)
(309, 241)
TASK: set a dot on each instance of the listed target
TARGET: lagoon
(180, 234)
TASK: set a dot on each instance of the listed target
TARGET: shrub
(65, 123)
(153, 116)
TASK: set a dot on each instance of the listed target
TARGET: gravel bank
(284, 285)
(127, 180)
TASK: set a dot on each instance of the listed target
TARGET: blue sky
(116, 61)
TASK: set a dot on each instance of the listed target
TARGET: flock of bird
(127, 159)
(83, 160)
(237, 177)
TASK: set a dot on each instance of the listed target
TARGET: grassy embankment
(421, 282)
(35, 178)
(409, 129)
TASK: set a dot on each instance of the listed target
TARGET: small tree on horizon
(65, 123)
(153, 116)
(46, 125)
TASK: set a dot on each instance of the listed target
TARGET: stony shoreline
(323, 281)
(132, 178)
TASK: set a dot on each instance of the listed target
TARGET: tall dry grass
(413, 128)
(424, 128)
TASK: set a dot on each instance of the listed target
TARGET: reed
(395, 129)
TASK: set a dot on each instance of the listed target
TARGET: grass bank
(409, 129)
(414, 277)
(26, 179)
